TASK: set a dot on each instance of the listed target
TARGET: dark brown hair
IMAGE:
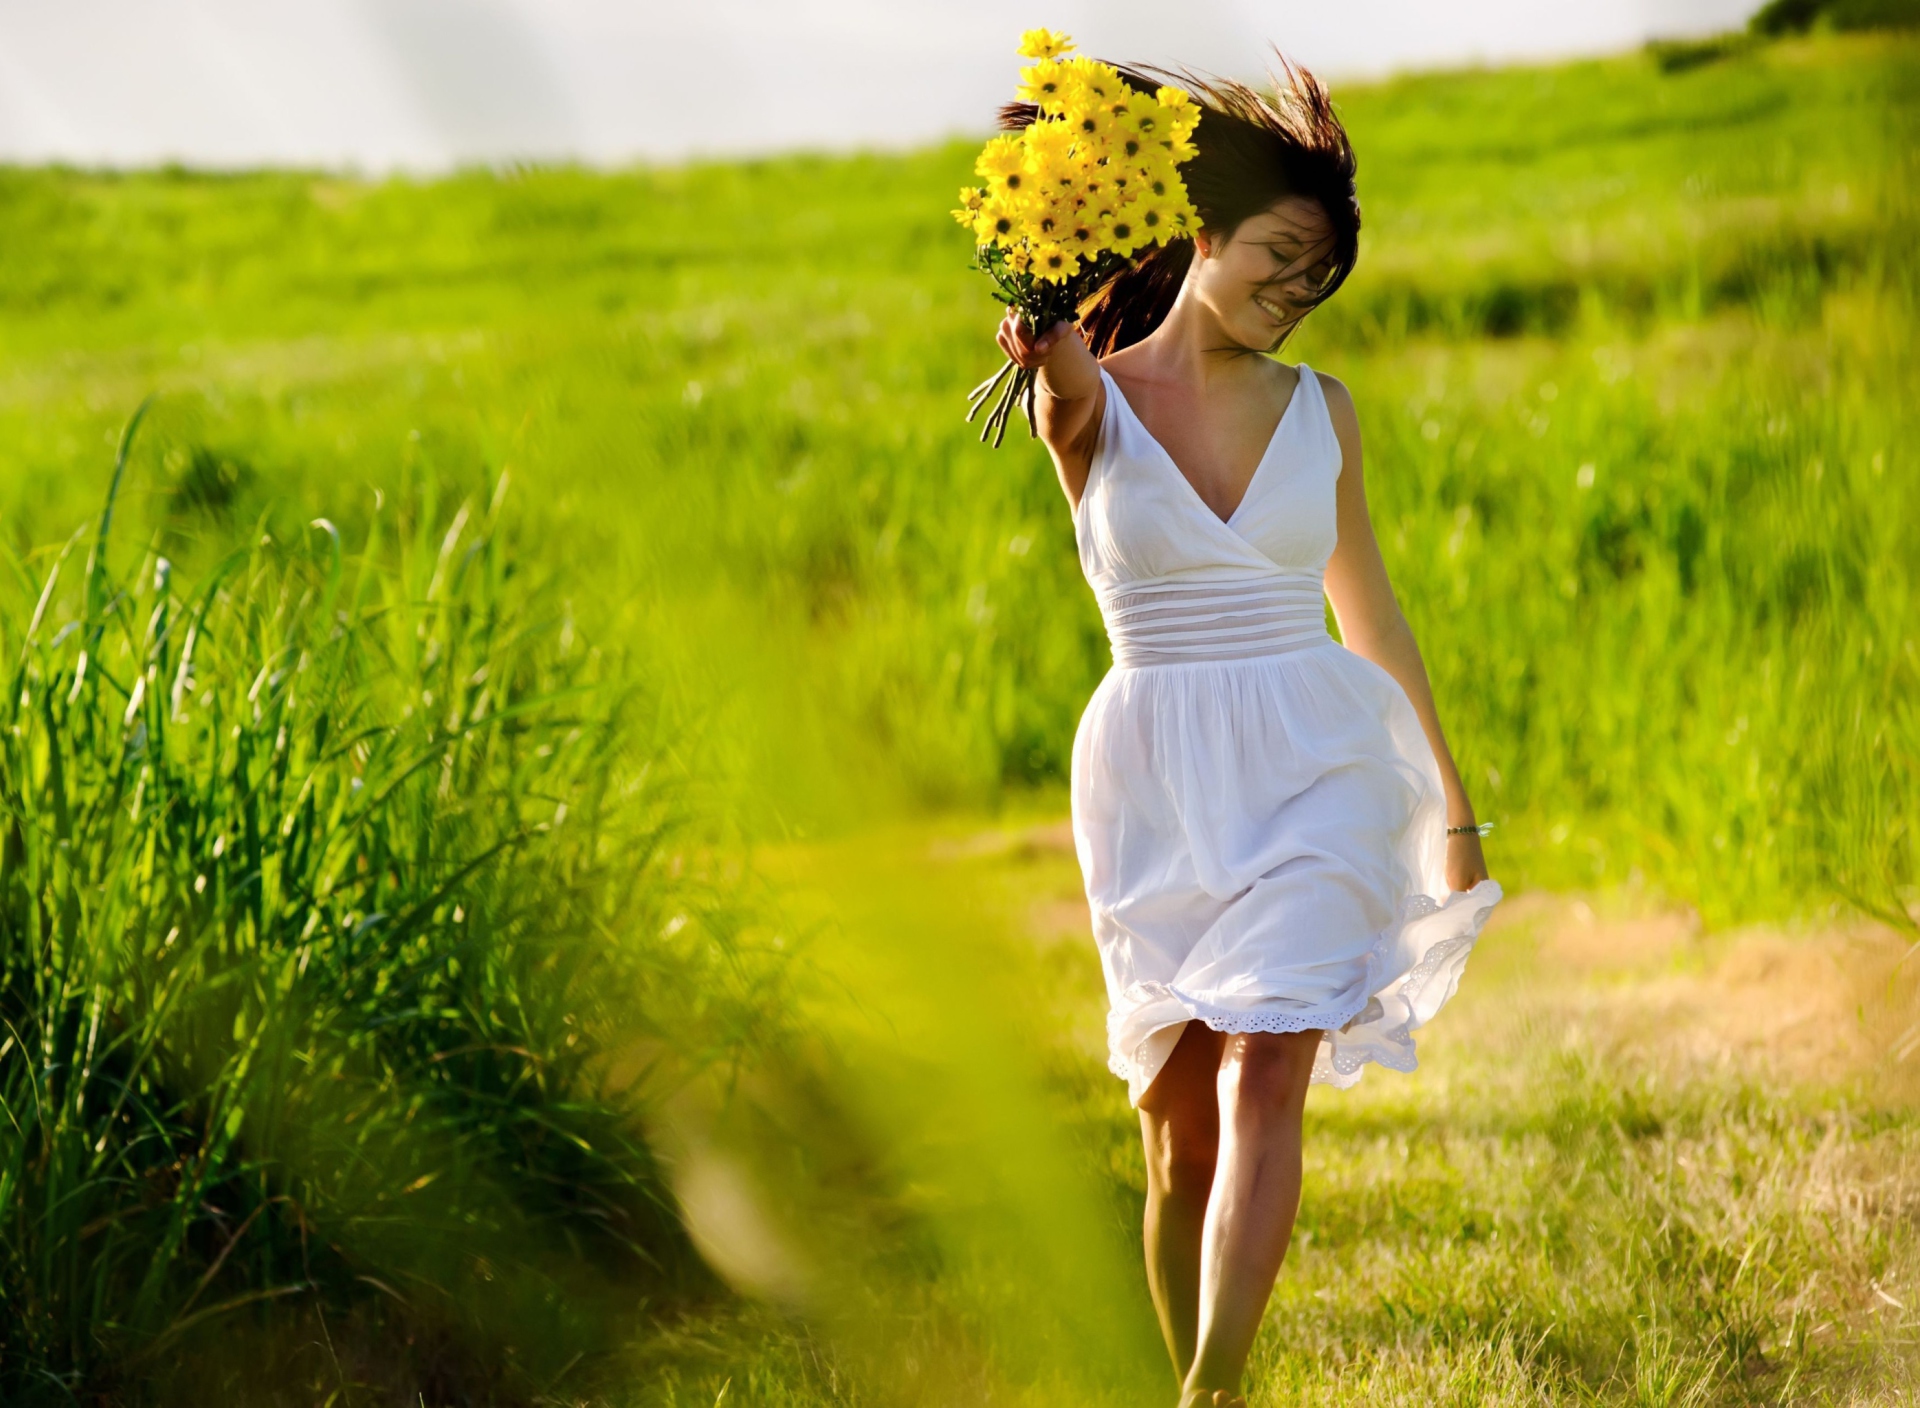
(1252, 149)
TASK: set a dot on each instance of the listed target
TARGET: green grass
(332, 884)
(1634, 349)
(1641, 1164)
(731, 390)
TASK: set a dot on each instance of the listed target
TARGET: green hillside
(730, 389)
(656, 481)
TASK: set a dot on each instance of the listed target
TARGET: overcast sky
(426, 84)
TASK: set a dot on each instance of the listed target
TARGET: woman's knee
(1268, 1070)
(1181, 1158)
(1180, 1116)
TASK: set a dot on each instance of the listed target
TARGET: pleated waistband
(1168, 623)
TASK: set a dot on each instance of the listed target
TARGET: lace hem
(1340, 1063)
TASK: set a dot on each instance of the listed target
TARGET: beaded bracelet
(1482, 829)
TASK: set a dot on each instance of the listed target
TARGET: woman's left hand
(1466, 866)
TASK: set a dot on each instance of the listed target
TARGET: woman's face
(1261, 280)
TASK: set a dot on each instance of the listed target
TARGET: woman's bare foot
(1211, 1398)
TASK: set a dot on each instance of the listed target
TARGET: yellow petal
(1044, 44)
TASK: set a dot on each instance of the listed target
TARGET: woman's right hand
(1023, 348)
(1066, 366)
(1069, 402)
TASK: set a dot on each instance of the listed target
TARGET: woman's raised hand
(1063, 395)
(1023, 348)
(1060, 355)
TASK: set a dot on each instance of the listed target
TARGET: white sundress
(1259, 817)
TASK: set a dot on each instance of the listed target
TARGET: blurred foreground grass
(347, 945)
(1642, 1164)
(369, 998)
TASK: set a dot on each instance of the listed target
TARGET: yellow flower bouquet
(1088, 180)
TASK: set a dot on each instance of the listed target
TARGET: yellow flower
(1155, 180)
(1002, 156)
(1129, 141)
(1054, 263)
(1049, 150)
(1047, 222)
(1099, 82)
(1089, 126)
(1097, 170)
(1044, 44)
(1123, 230)
(1155, 121)
(971, 199)
(1071, 96)
(998, 222)
(1059, 182)
(1017, 184)
(1043, 83)
(1177, 102)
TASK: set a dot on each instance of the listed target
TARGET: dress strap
(1309, 377)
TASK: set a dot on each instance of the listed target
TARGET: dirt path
(1819, 1005)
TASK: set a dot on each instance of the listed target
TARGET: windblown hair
(1253, 149)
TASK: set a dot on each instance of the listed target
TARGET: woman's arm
(1068, 398)
(1372, 625)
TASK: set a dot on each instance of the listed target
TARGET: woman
(1282, 862)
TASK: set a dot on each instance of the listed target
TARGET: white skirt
(1264, 849)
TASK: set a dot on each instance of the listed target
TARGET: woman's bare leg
(1262, 1091)
(1180, 1125)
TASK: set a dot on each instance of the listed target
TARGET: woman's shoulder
(1340, 407)
(1329, 383)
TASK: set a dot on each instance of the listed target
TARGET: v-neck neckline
(1259, 468)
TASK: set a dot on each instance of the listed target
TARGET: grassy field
(1629, 348)
(397, 958)
(1643, 1163)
